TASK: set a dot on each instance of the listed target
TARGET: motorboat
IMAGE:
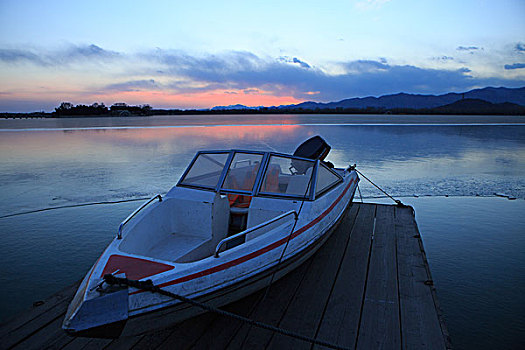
(235, 221)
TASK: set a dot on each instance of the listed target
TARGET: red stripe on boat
(134, 268)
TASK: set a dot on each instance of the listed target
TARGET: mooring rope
(72, 206)
(149, 286)
(397, 201)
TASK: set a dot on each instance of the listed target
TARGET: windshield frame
(328, 188)
(188, 168)
(256, 189)
(262, 165)
(313, 179)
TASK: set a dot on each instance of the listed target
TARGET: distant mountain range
(233, 107)
(490, 95)
(477, 106)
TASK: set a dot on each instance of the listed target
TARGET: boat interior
(182, 230)
(188, 228)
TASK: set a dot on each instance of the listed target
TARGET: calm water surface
(475, 245)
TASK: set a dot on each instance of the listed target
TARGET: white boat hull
(156, 247)
(169, 316)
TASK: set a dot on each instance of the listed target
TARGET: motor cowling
(313, 148)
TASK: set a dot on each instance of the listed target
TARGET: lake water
(475, 242)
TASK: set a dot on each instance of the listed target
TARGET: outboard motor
(314, 148)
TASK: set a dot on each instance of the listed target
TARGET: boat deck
(368, 287)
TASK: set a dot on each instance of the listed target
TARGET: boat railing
(252, 229)
(121, 226)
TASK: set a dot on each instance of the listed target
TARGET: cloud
(361, 66)
(391, 79)
(301, 63)
(87, 52)
(443, 58)
(520, 47)
(64, 56)
(295, 60)
(177, 73)
(467, 48)
(134, 85)
(514, 66)
(18, 56)
(239, 70)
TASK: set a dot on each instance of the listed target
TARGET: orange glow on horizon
(161, 99)
(155, 98)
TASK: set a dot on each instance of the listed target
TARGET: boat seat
(298, 183)
(192, 234)
(176, 246)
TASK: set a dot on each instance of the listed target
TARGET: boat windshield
(257, 173)
(206, 170)
(288, 176)
(242, 172)
(326, 179)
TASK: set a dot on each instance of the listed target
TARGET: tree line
(100, 109)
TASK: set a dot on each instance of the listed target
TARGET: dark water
(475, 245)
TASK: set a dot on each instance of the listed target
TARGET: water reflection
(49, 168)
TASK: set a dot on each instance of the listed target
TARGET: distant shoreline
(484, 101)
(253, 121)
(371, 111)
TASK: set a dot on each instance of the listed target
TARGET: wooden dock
(368, 287)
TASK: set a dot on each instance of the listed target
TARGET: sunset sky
(199, 54)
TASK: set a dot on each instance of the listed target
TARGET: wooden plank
(305, 311)
(27, 323)
(86, 344)
(419, 319)
(123, 342)
(51, 336)
(155, 339)
(41, 323)
(341, 319)
(281, 294)
(379, 327)
(220, 333)
(204, 331)
(269, 310)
